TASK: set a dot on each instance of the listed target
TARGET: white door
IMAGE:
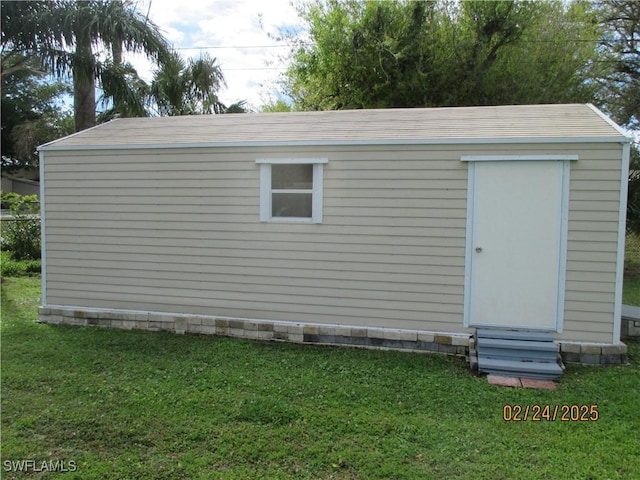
(516, 248)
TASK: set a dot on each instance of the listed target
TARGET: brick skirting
(593, 354)
(365, 337)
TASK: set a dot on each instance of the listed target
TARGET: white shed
(406, 228)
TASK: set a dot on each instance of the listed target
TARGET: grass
(631, 290)
(144, 405)
(631, 283)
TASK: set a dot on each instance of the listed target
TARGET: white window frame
(266, 191)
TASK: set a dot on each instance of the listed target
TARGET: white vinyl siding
(176, 230)
(592, 244)
(140, 230)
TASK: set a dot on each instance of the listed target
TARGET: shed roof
(499, 124)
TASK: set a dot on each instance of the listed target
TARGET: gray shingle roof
(554, 123)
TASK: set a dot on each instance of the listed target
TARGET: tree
(440, 53)
(621, 18)
(31, 111)
(621, 84)
(124, 93)
(277, 105)
(190, 87)
(48, 30)
(237, 107)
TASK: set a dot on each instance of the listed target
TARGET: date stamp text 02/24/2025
(550, 413)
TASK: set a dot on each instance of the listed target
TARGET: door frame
(471, 229)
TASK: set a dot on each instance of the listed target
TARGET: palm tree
(205, 79)
(49, 30)
(124, 93)
(238, 107)
(170, 89)
(190, 87)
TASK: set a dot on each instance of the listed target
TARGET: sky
(240, 34)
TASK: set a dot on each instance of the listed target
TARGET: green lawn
(631, 290)
(631, 283)
(142, 405)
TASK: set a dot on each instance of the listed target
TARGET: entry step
(528, 335)
(517, 368)
(507, 343)
(518, 353)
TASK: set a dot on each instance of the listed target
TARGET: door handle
(478, 249)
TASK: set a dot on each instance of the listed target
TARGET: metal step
(524, 355)
(510, 344)
(518, 353)
(512, 368)
(529, 335)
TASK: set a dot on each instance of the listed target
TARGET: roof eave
(46, 146)
(54, 146)
(611, 123)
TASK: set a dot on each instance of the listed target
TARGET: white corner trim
(43, 232)
(517, 158)
(613, 124)
(291, 161)
(470, 241)
(564, 235)
(622, 230)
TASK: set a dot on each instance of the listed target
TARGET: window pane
(291, 205)
(292, 177)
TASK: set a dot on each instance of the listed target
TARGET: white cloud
(226, 29)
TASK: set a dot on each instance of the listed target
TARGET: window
(291, 189)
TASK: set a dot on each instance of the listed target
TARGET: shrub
(21, 232)
(18, 268)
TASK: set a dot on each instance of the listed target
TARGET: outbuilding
(404, 228)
